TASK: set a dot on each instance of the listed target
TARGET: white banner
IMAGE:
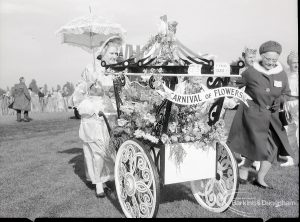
(208, 94)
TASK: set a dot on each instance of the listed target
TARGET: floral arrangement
(138, 113)
(165, 41)
(138, 121)
(188, 124)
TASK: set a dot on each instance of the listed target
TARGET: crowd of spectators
(55, 100)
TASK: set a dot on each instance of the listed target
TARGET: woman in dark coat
(257, 132)
(21, 100)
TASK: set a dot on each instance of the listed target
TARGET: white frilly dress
(99, 160)
(293, 105)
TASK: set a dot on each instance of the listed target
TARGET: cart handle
(106, 121)
(176, 74)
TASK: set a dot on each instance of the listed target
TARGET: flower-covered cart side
(169, 128)
(139, 119)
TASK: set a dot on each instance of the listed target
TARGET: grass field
(42, 175)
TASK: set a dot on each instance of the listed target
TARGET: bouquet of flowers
(138, 113)
(188, 124)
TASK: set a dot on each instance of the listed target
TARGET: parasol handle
(94, 60)
(91, 39)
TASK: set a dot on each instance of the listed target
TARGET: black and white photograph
(149, 109)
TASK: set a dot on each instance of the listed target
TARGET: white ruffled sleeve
(86, 107)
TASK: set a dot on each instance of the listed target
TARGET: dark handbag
(106, 121)
(283, 116)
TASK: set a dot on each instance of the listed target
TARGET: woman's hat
(110, 39)
(270, 46)
(291, 56)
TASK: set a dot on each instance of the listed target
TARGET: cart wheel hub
(130, 184)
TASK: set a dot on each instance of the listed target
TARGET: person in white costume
(293, 105)
(108, 53)
(94, 133)
(92, 97)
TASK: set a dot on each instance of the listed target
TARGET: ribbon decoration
(206, 94)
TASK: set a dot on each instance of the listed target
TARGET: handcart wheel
(137, 181)
(216, 194)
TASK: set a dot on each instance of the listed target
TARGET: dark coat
(21, 97)
(249, 130)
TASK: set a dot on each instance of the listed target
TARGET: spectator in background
(2, 104)
(21, 100)
(34, 101)
(53, 101)
(10, 100)
(49, 105)
(60, 101)
(249, 57)
(65, 95)
(5, 101)
(292, 106)
(41, 99)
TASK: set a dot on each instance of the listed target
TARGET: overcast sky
(29, 47)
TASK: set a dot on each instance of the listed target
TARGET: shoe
(256, 183)
(107, 190)
(100, 195)
(26, 120)
(242, 162)
(99, 190)
(242, 181)
(289, 162)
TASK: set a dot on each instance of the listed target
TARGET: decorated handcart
(169, 128)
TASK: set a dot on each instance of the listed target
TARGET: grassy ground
(42, 175)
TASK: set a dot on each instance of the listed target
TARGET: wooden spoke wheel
(216, 194)
(137, 181)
